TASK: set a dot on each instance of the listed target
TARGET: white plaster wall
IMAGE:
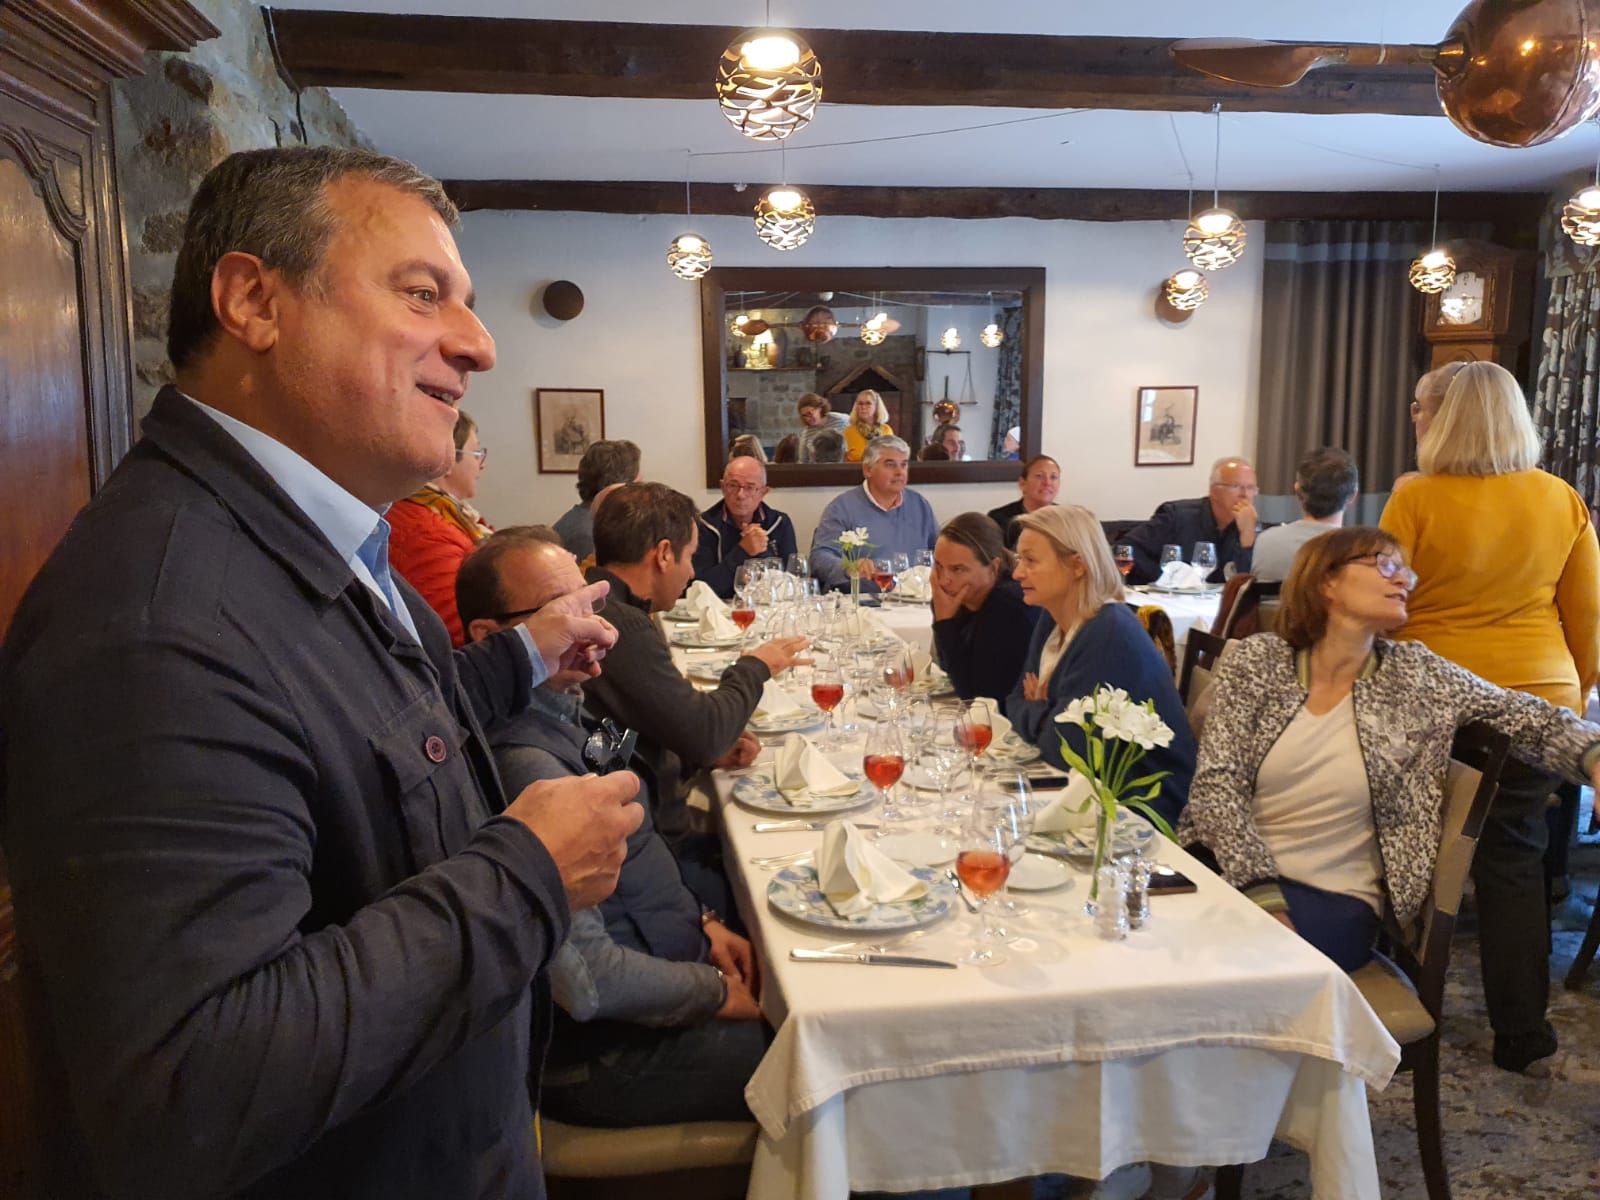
(638, 338)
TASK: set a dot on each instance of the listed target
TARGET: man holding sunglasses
(657, 1016)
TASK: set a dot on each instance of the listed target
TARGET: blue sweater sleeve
(1028, 717)
(827, 566)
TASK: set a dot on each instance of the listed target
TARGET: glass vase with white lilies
(1117, 733)
(855, 551)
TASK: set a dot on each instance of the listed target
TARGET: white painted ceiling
(558, 137)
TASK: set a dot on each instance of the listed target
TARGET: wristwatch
(709, 915)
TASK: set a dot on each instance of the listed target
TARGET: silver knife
(800, 954)
(798, 826)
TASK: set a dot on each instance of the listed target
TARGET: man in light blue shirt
(897, 519)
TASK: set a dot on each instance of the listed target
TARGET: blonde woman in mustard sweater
(1509, 588)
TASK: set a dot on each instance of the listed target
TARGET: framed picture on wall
(1164, 426)
(566, 422)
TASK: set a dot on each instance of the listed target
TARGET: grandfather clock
(1483, 315)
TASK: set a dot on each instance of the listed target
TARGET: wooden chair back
(1201, 654)
(1239, 615)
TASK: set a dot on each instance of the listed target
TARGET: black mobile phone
(1164, 881)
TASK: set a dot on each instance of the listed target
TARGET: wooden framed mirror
(803, 334)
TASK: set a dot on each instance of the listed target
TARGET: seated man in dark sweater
(1225, 517)
(657, 1016)
(740, 527)
(1039, 481)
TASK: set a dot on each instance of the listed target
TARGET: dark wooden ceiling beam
(868, 67)
(1504, 209)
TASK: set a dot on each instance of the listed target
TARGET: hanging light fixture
(1435, 270)
(768, 83)
(1215, 238)
(950, 339)
(873, 329)
(785, 218)
(1580, 217)
(992, 334)
(1186, 290)
(689, 256)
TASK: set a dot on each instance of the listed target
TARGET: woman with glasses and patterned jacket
(1511, 591)
(433, 530)
(1320, 779)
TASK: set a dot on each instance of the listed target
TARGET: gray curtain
(1566, 393)
(1341, 347)
(1008, 385)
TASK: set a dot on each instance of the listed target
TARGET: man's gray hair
(879, 446)
(272, 204)
(1231, 460)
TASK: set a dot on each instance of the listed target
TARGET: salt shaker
(1138, 890)
(1111, 914)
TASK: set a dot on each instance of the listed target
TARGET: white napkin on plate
(700, 597)
(716, 624)
(802, 768)
(1182, 575)
(774, 703)
(855, 875)
(921, 663)
(1058, 816)
(916, 584)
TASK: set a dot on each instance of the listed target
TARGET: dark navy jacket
(286, 943)
(1183, 523)
(983, 651)
(718, 555)
(1111, 650)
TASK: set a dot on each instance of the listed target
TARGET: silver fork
(780, 860)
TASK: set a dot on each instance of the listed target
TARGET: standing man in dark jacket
(288, 930)
(1226, 518)
(741, 527)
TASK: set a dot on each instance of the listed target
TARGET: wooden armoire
(65, 411)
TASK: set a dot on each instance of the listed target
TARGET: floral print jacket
(1408, 704)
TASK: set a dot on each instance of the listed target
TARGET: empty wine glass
(800, 567)
(899, 673)
(1171, 553)
(983, 863)
(1122, 553)
(884, 761)
(923, 558)
(1011, 790)
(1205, 558)
(901, 563)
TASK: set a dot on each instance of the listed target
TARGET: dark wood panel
(43, 398)
(860, 66)
(1064, 204)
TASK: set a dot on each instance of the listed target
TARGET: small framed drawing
(566, 422)
(1164, 426)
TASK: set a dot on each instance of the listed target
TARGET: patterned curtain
(1008, 386)
(1566, 393)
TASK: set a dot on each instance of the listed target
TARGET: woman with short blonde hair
(1510, 590)
(1088, 638)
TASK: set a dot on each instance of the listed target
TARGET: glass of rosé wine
(884, 761)
(983, 864)
(827, 691)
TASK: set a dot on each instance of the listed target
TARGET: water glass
(1205, 557)
(1171, 553)
(800, 566)
(923, 558)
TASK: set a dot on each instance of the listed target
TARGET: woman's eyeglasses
(1389, 567)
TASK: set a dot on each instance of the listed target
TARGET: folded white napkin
(715, 623)
(1058, 816)
(1181, 575)
(855, 875)
(700, 597)
(774, 702)
(921, 663)
(916, 584)
(803, 769)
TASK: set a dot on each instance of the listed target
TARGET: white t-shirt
(1314, 809)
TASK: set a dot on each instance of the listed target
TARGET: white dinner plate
(1036, 873)
(755, 791)
(1131, 833)
(1011, 749)
(680, 614)
(806, 718)
(794, 893)
(693, 639)
(919, 848)
(709, 666)
(1204, 589)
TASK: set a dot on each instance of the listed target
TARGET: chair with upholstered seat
(1406, 988)
(702, 1160)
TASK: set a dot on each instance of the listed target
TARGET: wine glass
(901, 564)
(827, 690)
(883, 575)
(884, 761)
(943, 760)
(1122, 552)
(864, 676)
(800, 567)
(975, 730)
(1205, 558)
(744, 612)
(899, 671)
(1011, 790)
(983, 863)
(746, 575)
(1171, 553)
(923, 558)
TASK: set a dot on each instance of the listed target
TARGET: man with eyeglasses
(657, 1019)
(740, 527)
(1226, 517)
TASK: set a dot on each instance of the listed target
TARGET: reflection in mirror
(814, 363)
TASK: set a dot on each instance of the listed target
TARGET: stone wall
(177, 121)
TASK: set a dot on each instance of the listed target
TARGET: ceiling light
(1433, 272)
(1186, 290)
(785, 218)
(1215, 238)
(689, 256)
(873, 335)
(768, 83)
(1580, 218)
(950, 339)
(991, 335)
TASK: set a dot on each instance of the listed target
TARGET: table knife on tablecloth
(866, 958)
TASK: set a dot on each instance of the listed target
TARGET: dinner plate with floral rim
(757, 791)
(794, 893)
(1131, 833)
(692, 639)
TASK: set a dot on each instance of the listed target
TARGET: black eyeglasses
(607, 748)
(522, 614)
(1389, 567)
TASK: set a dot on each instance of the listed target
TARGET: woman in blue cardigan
(1088, 638)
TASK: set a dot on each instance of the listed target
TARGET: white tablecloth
(912, 623)
(1187, 611)
(1193, 1042)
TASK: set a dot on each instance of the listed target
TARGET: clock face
(1462, 302)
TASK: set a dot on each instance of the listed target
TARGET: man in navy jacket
(740, 527)
(288, 929)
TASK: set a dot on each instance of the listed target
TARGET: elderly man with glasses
(740, 527)
(1226, 518)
